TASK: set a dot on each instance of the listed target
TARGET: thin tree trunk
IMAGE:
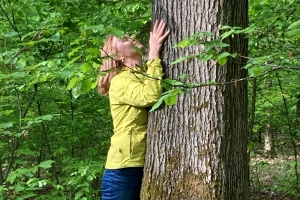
(298, 109)
(269, 146)
(253, 105)
(45, 138)
(197, 149)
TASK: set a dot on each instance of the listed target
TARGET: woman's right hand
(157, 36)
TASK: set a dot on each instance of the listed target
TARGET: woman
(131, 90)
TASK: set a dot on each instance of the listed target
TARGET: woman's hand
(157, 36)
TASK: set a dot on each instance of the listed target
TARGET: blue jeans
(122, 184)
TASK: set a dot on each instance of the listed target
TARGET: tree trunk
(197, 149)
(269, 146)
(298, 109)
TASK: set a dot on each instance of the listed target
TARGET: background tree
(197, 149)
(274, 56)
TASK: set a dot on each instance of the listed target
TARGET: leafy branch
(10, 22)
(212, 51)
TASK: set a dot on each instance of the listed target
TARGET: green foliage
(212, 48)
(274, 175)
(274, 61)
(54, 127)
(274, 56)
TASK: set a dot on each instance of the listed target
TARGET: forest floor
(276, 178)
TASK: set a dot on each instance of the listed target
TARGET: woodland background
(55, 128)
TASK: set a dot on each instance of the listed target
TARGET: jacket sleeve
(132, 91)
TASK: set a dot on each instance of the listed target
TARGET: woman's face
(125, 46)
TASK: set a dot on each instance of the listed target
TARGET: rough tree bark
(197, 149)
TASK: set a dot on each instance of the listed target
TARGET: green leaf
(294, 34)
(138, 50)
(86, 85)
(166, 83)
(183, 76)
(225, 27)
(46, 164)
(222, 61)
(208, 45)
(56, 36)
(205, 33)
(6, 125)
(226, 34)
(221, 44)
(18, 75)
(93, 51)
(177, 83)
(212, 82)
(73, 60)
(26, 196)
(99, 27)
(79, 195)
(206, 57)
(117, 33)
(251, 145)
(72, 83)
(158, 103)
(3, 188)
(170, 100)
(45, 117)
(76, 92)
(182, 59)
(2, 145)
(74, 50)
(12, 34)
(295, 25)
(224, 55)
(182, 44)
(11, 177)
(86, 67)
(19, 187)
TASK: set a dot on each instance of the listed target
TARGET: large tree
(197, 149)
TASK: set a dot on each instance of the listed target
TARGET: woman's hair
(109, 65)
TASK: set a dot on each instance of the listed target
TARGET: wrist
(153, 56)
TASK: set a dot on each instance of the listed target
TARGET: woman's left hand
(157, 36)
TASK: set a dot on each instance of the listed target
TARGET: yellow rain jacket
(129, 94)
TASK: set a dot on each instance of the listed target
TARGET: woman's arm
(127, 89)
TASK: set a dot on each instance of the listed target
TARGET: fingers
(165, 35)
(155, 25)
(159, 27)
(157, 36)
(158, 31)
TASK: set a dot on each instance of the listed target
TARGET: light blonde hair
(110, 65)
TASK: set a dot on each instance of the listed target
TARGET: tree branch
(16, 140)
(13, 24)
(198, 85)
(1, 171)
(6, 15)
(44, 133)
